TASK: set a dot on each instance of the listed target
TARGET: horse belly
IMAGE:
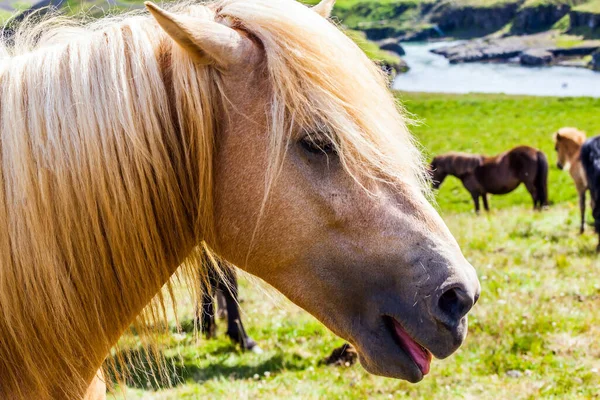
(504, 187)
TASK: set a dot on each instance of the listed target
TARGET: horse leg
(208, 324)
(596, 214)
(534, 194)
(485, 202)
(221, 305)
(235, 329)
(205, 313)
(476, 201)
(582, 211)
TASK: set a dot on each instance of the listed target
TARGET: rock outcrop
(393, 69)
(392, 45)
(595, 64)
(533, 50)
(536, 57)
(538, 18)
(584, 19)
(422, 34)
(482, 50)
(377, 33)
(480, 20)
(575, 51)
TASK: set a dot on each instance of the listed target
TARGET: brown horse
(252, 128)
(567, 143)
(223, 286)
(496, 175)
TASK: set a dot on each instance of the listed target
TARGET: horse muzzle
(410, 333)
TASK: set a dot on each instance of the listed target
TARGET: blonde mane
(573, 135)
(106, 148)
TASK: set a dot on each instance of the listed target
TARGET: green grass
(484, 3)
(534, 334)
(490, 124)
(396, 15)
(536, 3)
(568, 41)
(562, 24)
(371, 49)
(591, 7)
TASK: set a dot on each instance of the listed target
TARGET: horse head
(318, 188)
(437, 172)
(567, 143)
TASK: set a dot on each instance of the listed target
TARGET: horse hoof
(257, 350)
(250, 344)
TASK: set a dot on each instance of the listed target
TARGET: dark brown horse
(223, 286)
(496, 175)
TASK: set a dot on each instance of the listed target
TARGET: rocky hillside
(572, 23)
(422, 19)
(534, 32)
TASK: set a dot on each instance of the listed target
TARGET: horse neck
(464, 164)
(99, 203)
(575, 152)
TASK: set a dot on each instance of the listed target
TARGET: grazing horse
(255, 129)
(496, 175)
(567, 143)
(590, 159)
(224, 285)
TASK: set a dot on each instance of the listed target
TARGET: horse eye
(317, 145)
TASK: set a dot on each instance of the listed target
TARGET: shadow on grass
(148, 372)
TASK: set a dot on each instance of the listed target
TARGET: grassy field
(490, 124)
(534, 333)
(591, 7)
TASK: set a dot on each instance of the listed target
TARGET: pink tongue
(421, 356)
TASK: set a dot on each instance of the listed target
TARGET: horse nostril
(454, 304)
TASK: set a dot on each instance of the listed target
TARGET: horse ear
(324, 8)
(207, 41)
(557, 136)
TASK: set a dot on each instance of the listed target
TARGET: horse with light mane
(567, 143)
(500, 174)
(252, 128)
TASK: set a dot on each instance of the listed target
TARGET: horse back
(503, 173)
(523, 158)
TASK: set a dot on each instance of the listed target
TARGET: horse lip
(407, 343)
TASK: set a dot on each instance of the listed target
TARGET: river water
(432, 73)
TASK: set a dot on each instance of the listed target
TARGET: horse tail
(541, 179)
